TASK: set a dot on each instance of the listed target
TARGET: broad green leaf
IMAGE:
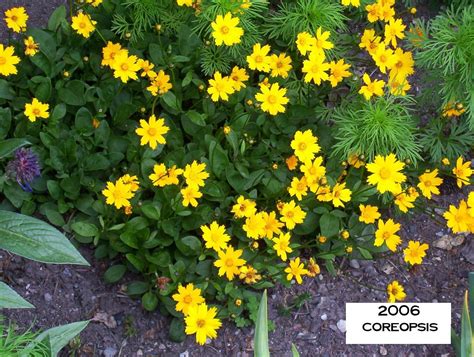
(34, 239)
(177, 330)
(115, 273)
(294, 351)
(85, 229)
(61, 335)
(6, 91)
(149, 301)
(10, 145)
(58, 16)
(5, 122)
(329, 225)
(9, 299)
(261, 329)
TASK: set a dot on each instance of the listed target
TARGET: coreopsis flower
(393, 30)
(110, 51)
(412, 191)
(31, 47)
(272, 224)
(295, 270)
(94, 3)
(291, 162)
(429, 182)
(254, 226)
(249, 274)
(163, 176)
(237, 77)
(220, 87)
(259, 59)
(371, 88)
(152, 132)
(313, 268)
(147, 68)
(215, 236)
(195, 174)
(403, 65)
(229, 262)
(83, 24)
(453, 109)
(8, 60)
(398, 88)
(36, 109)
(244, 207)
(188, 3)
(202, 320)
(384, 58)
(374, 12)
(413, 10)
(459, 219)
(280, 65)
(385, 173)
(160, 84)
(340, 194)
(226, 30)
(313, 171)
(117, 194)
(395, 292)
(404, 201)
(415, 252)
(305, 42)
(338, 71)
(315, 68)
(16, 19)
(387, 12)
(24, 168)
(131, 181)
(187, 297)
(322, 42)
(273, 99)
(305, 145)
(125, 67)
(368, 214)
(291, 215)
(356, 160)
(282, 246)
(190, 195)
(463, 172)
(324, 193)
(298, 188)
(370, 41)
(386, 233)
(445, 161)
(355, 3)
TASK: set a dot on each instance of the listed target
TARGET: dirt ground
(64, 294)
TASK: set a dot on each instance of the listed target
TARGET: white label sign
(400, 323)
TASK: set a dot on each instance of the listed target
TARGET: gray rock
(383, 351)
(48, 297)
(354, 264)
(324, 317)
(110, 352)
(341, 325)
(184, 354)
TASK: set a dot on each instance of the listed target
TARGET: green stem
(153, 105)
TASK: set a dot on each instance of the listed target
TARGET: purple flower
(24, 168)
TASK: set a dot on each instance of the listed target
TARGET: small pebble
(184, 354)
(110, 352)
(383, 351)
(354, 264)
(48, 297)
(341, 325)
(324, 317)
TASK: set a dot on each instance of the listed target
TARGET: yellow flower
(415, 252)
(215, 236)
(298, 188)
(398, 88)
(273, 99)
(412, 192)
(152, 132)
(195, 174)
(255, 226)
(384, 58)
(291, 215)
(305, 145)
(187, 297)
(371, 88)
(249, 274)
(445, 161)
(188, 3)
(369, 214)
(162, 176)
(470, 203)
(315, 68)
(313, 172)
(429, 182)
(110, 51)
(313, 268)
(160, 84)
(355, 3)
(147, 68)
(8, 60)
(324, 194)
(118, 194)
(413, 10)
(31, 47)
(36, 109)
(16, 19)
(403, 65)
(83, 24)
(295, 270)
(404, 201)
(226, 30)
(291, 162)
(244, 207)
(202, 320)
(94, 3)
(125, 67)
(220, 87)
(322, 42)
(395, 292)
(340, 194)
(393, 30)
(387, 12)
(280, 65)
(282, 245)
(190, 193)
(131, 181)
(229, 262)
(463, 172)
(237, 77)
(374, 12)
(369, 41)
(356, 160)
(338, 71)
(259, 59)
(272, 224)
(305, 43)
(386, 234)
(459, 219)
(385, 173)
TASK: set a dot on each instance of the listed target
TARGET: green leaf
(10, 145)
(59, 112)
(115, 273)
(9, 299)
(294, 351)
(329, 225)
(61, 335)
(177, 330)
(58, 16)
(137, 288)
(196, 118)
(72, 93)
(34, 239)
(189, 245)
(85, 229)
(149, 301)
(365, 253)
(6, 91)
(466, 329)
(5, 122)
(218, 159)
(261, 329)
(170, 100)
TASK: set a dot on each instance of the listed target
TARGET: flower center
(384, 173)
(383, 58)
(3, 60)
(279, 64)
(337, 194)
(82, 25)
(301, 186)
(124, 67)
(151, 131)
(399, 64)
(14, 18)
(290, 214)
(188, 299)
(201, 323)
(272, 99)
(224, 30)
(36, 111)
(315, 68)
(229, 262)
(258, 59)
(302, 146)
(427, 183)
(386, 235)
